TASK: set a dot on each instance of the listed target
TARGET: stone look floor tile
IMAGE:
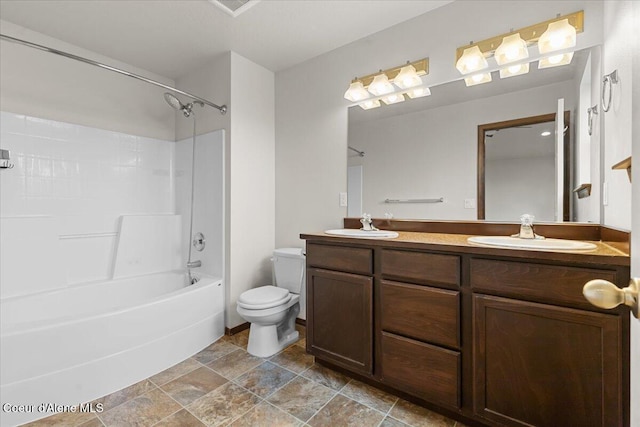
(241, 339)
(301, 398)
(342, 411)
(266, 415)
(181, 418)
(325, 376)
(92, 423)
(418, 416)
(223, 404)
(175, 371)
(265, 379)
(144, 410)
(234, 364)
(215, 351)
(370, 396)
(64, 419)
(293, 358)
(112, 400)
(193, 385)
(392, 422)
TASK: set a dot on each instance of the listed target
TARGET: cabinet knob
(605, 294)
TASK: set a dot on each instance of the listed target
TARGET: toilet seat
(263, 297)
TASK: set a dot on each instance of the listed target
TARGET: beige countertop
(603, 254)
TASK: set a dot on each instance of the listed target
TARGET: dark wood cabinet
(340, 318)
(423, 370)
(542, 365)
(498, 340)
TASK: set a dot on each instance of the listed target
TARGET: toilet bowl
(272, 310)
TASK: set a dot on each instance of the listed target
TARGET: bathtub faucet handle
(194, 264)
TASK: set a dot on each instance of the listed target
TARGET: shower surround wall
(69, 187)
(62, 202)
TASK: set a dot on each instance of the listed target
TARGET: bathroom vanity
(485, 335)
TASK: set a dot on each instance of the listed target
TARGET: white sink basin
(543, 244)
(352, 232)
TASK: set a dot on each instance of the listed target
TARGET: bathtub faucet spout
(194, 264)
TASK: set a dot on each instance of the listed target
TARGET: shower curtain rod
(360, 153)
(221, 108)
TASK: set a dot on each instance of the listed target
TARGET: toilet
(272, 310)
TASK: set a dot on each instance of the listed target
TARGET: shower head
(176, 104)
(173, 101)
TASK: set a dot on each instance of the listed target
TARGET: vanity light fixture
(555, 60)
(380, 85)
(356, 92)
(555, 35)
(512, 49)
(369, 90)
(369, 104)
(471, 60)
(407, 77)
(477, 79)
(559, 35)
(394, 98)
(514, 70)
(419, 92)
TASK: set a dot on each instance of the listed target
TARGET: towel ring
(608, 80)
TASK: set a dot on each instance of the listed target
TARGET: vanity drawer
(421, 267)
(545, 283)
(348, 259)
(421, 312)
(422, 370)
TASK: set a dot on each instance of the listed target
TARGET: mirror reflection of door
(517, 170)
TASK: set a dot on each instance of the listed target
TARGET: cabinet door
(542, 365)
(340, 318)
(429, 372)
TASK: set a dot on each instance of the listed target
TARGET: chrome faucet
(367, 223)
(526, 228)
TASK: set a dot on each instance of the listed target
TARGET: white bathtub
(74, 345)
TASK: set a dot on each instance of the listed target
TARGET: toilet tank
(289, 269)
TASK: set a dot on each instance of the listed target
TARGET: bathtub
(74, 345)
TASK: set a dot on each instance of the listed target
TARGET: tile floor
(223, 385)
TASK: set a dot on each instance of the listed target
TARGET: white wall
(433, 153)
(248, 90)
(527, 180)
(619, 28)
(44, 85)
(68, 189)
(589, 148)
(251, 180)
(311, 114)
(208, 198)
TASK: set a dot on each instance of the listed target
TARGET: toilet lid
(264, 297)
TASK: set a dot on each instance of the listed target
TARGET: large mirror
(426, 158)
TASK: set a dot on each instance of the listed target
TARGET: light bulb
(471, 60)
(419, 92)
(394, 98)
(512, 49)
(559, 35)
(477, 79)
(356, 92)
(380, 85)
(514, 68)
(407, 77)
(555, 59)
(367, 105)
